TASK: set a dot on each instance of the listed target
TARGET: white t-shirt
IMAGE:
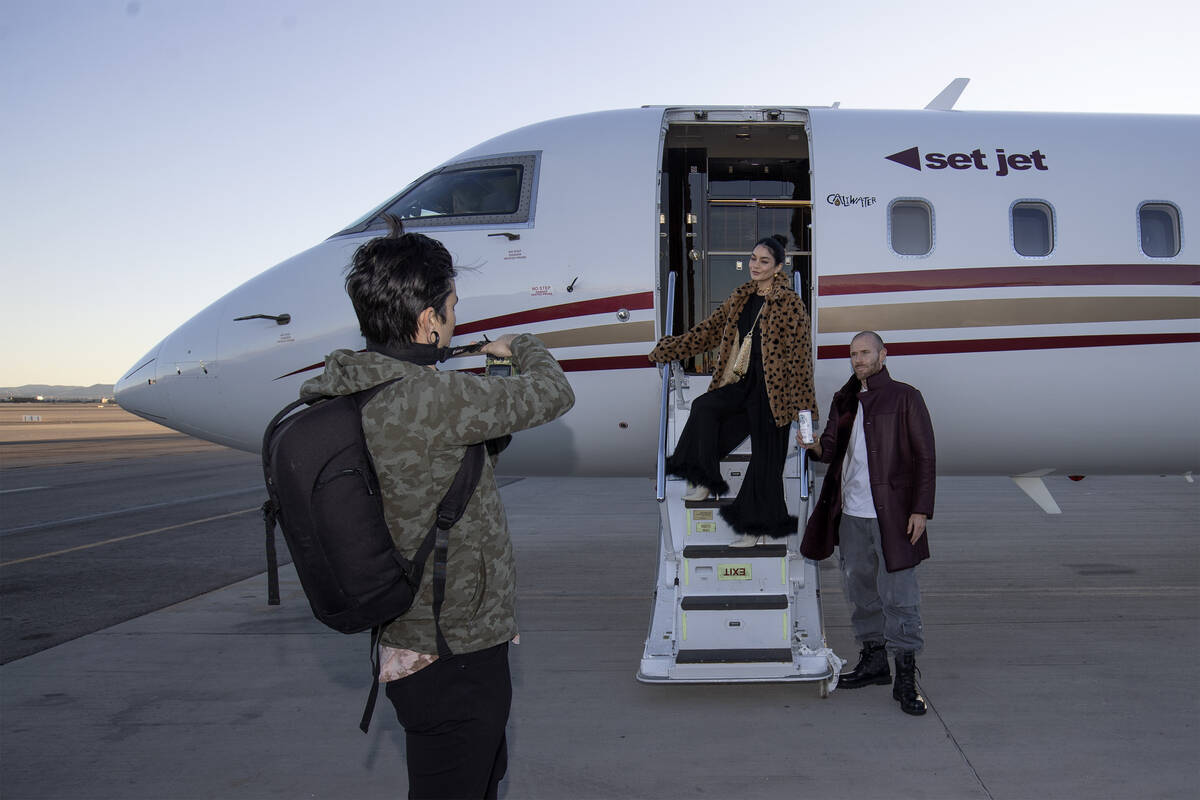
(856, 477)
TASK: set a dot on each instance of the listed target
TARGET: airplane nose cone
(138, 392)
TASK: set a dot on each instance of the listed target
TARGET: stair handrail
(804, 475)
(797, 285)
(664, 404)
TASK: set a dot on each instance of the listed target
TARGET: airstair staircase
(725, 614)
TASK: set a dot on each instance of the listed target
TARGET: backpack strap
(270, 512)
(449, 511)
(270, 509)
(364, 397)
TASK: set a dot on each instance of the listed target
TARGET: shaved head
(875, 338)
(867, 355)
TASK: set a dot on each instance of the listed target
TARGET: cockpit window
(493, 191)
(468, 192)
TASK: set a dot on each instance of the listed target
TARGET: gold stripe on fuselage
(990, 313)
(619, 333)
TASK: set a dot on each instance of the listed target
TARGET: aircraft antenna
(949, 96)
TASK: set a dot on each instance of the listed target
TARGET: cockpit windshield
(494, 191)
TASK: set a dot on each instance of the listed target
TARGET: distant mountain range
(31, 390)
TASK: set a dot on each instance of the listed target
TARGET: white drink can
(806, 431)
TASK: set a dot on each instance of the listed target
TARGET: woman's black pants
(719, 421)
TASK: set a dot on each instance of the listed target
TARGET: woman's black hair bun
(776, 244)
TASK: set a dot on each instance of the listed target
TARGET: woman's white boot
(696, 493)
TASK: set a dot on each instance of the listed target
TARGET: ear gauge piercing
(435, 338)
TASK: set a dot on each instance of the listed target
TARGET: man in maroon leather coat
(874, 502)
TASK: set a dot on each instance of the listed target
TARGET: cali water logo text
(850, 200)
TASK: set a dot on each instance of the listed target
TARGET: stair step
(745, 602)
(724, 501)
(727, 614)
(725, 551)
(740, 656)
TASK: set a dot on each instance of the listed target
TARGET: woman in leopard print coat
(763, 404)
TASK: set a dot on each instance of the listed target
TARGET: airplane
(1030, 273)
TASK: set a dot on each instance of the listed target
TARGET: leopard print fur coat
(786, 346)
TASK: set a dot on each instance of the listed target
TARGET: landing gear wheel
(823, 689)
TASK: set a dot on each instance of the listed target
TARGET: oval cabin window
(1032, 228)
(911, 227)
(1158, 226)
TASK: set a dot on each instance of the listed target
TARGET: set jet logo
(1002, 162)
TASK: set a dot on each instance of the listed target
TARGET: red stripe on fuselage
(984, 277)
(318, 365)
(568, 364)
(1001, 345)
(632, 302)
(592, 364)
(607, 362)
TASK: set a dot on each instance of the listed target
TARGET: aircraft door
(695, 246)
(716, 204)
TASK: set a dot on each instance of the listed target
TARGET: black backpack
(323, 491)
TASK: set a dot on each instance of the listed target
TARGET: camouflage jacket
(786, 346)
(417, 430)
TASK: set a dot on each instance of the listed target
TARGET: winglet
(949, 96)
(1033, 486)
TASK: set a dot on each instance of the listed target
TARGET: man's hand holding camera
(500, 347)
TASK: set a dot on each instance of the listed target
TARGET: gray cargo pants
(884, 606)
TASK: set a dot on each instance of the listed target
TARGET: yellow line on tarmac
(130, 536)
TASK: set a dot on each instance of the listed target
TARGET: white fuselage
(1082, 360)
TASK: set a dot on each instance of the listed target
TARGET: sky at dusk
(155, 154)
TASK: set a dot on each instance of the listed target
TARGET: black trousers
(454, 713)
(718, 423)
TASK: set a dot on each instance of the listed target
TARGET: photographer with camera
(454, 709)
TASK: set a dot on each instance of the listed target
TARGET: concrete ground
(1061, 662)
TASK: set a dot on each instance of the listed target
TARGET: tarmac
(1061, 662)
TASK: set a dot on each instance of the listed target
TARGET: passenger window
(911, 224)
(1032, 228)
(1158, 224)
(495, 191)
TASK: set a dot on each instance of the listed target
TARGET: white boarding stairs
(723, 614)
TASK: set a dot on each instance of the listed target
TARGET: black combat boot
(905, 687)
(872, 668)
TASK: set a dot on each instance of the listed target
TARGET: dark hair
(393, 278)
(775, 243)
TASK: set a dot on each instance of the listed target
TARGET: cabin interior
(724, 186)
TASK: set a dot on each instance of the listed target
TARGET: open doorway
(725, 185)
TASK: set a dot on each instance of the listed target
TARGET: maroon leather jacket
(900, 459)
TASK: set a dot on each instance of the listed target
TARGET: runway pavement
(105, 517)
(1061, 660)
